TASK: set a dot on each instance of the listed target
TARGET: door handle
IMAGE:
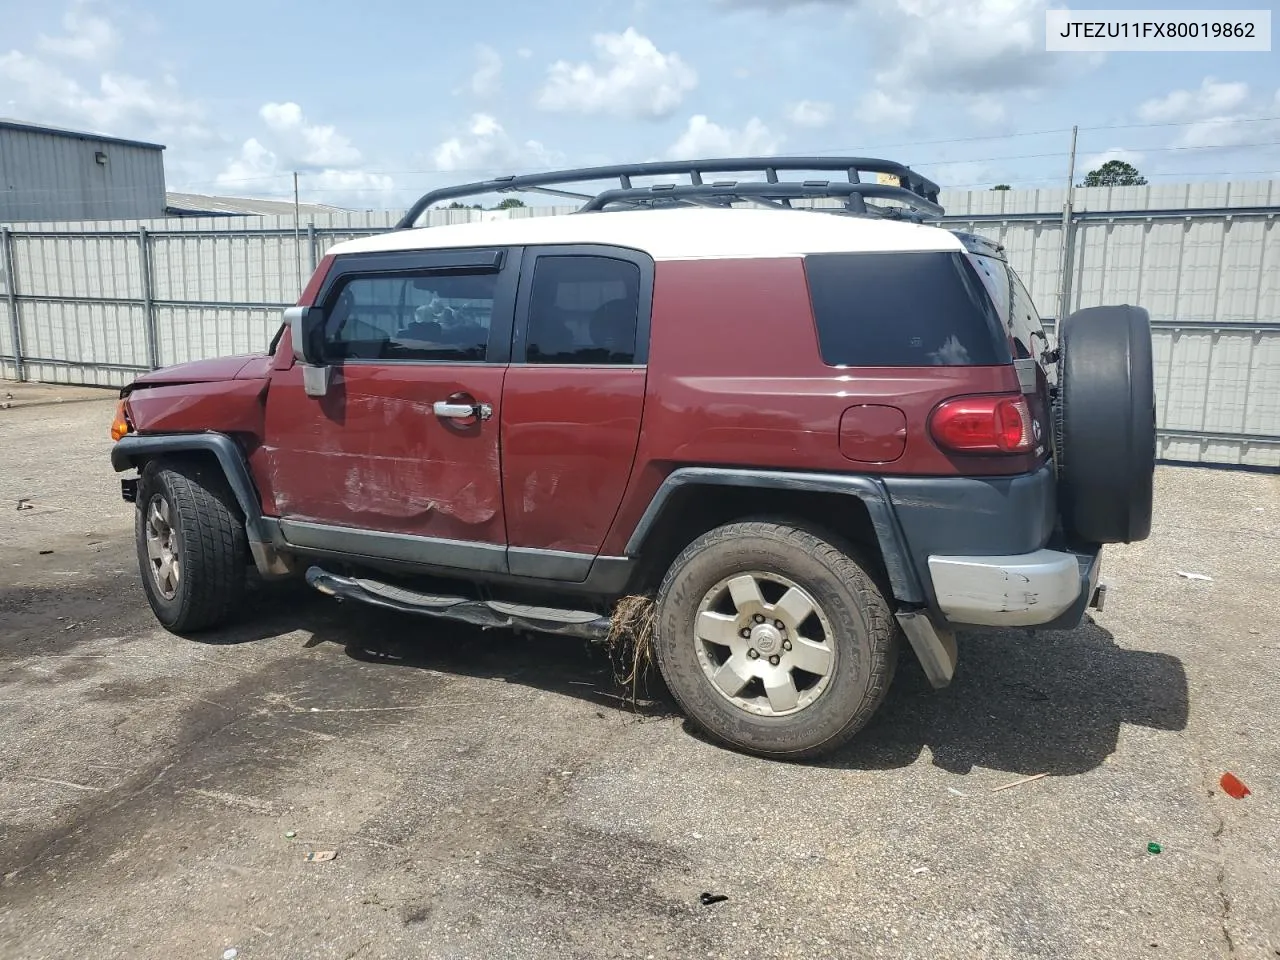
(462, 411)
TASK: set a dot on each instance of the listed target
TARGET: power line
(1039, 133)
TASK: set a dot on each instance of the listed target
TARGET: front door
(400, 458)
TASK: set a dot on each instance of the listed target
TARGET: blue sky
(375, 102)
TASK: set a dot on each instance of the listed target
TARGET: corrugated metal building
(203, 205)
(47, 173)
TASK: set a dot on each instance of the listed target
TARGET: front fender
(133, 450)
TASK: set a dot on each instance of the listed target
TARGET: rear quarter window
(1017, 313)
(903, 310)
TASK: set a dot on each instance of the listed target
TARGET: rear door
(573, 403)
(401, 459)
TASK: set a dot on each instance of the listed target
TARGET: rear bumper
(986, 551)
(1043, 588)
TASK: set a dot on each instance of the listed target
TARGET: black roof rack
(918, 194)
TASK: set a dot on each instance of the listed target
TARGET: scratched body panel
(569, 437)
(373, 454)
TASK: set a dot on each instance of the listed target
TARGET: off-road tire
(211, 546)
(865, 633)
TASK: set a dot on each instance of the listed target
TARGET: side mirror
(306, 330)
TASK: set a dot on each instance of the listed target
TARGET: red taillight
(1000, 424)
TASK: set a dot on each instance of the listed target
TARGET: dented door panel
(373, 454)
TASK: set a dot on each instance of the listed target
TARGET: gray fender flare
(871, 491)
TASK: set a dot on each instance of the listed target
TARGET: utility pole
(297, 231)
(1068, 244)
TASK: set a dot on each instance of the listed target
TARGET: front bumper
(1044, 588)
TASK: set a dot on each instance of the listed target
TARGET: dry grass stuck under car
(630, 641)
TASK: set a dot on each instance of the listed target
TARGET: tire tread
(841, 558)
(213, 538)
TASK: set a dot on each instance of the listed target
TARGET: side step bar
(483, 613)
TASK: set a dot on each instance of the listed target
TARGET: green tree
(508, 203)
(1002, 186)
(1114, 173)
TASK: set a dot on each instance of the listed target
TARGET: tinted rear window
(903, 310)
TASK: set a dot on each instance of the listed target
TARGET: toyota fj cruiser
(803, 432)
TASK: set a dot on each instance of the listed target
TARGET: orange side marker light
(120, 425)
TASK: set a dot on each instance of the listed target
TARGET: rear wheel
(774, 639)
(1106, 424)
(191, 545)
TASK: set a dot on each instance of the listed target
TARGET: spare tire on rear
(1106, 424)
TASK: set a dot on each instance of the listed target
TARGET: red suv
(803, 433)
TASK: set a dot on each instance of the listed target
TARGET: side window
(583, 309)
(1017, 313)
(995, 277)
(1024, 321)
(411, 316)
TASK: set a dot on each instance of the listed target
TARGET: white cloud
(980, 46)
(38, 84)
(259, 171)
(486, 147)
(810, 113)
(486, 81)
(781, 5)
(702, 138)
(631, 78)
(329, 165)
(122, 105)
(1211, 99)
(987, 109)
(1096, 160)
(305, 144)
(964, 174)
(973, 51)
(75, 91)
(1216, 114)
(877, 108)
(88, 37)
(1229, 131)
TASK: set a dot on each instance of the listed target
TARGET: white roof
(679, 234)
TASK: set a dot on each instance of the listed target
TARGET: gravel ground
(492, 796)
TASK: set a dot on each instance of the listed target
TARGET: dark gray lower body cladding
(585, 624)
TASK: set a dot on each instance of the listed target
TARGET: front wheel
(191, 545)
(774, 639)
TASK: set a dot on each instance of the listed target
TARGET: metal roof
(22, 125)
(196, 204)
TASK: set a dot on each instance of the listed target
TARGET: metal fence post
(311, 245)
(148, 306)
(11, 292)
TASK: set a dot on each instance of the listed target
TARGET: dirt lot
(490, 796)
